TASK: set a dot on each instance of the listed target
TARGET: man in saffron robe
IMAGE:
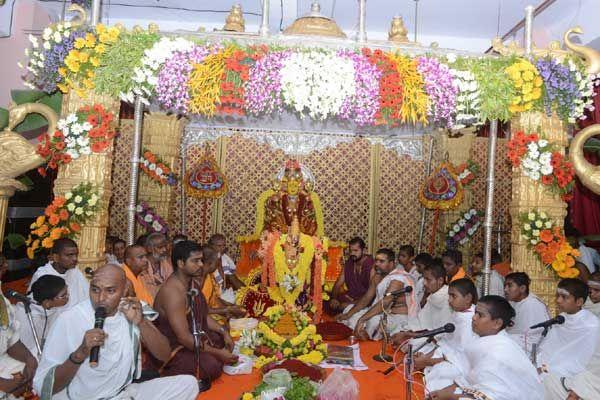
(192, 265)
(354, 278)
(136, 262)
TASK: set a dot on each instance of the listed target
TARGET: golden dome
(315, 23)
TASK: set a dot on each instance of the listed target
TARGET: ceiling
(459, 24)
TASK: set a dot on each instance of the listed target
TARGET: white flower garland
(317, 83)
(76, 139)
(467, 100)
(585, 86)
(536, 161)
(146, 76)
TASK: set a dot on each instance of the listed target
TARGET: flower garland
(415, 103)
(205, 83)
(585, 87)
(157, 169)
(151, 221)
(317, 83)
(467, 172)
(464, 228)
(441, 89)
(89, 130)
(467, 100)
(364, 105)
(528, 84)
(549, 243)
(83, 60)
(560, 88)
(540, 162)
(262, 93)
(145, 77)
(300, 274)
(172, 86)
(47, 57)
(390, 88)
(62, 218)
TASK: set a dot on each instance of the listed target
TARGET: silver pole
(361, 37)
(183, 211)
(96, 15)
(138, 119)
(528, 30)
(416, 18)
(488, 224)
(36, 339)
(264, 24)
(423, 210)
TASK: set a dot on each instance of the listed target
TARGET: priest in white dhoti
(592, 304)
(64, 255)
(436, 311)
(529, 310)
(568, 348)
(498, 368)
(17, 364)
(48, 294)
(64, 372)
(408, 262)
(398, 308)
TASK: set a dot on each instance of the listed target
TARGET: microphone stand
(38, 347)
(382, 356)
(408, 370)
(203, 383)
(536, 346)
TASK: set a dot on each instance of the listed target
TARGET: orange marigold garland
(62, 218)
(89, 130)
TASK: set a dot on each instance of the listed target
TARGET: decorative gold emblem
(591, 56)
(588, 174)
(235, 20)
(398, 32)
(315, 23)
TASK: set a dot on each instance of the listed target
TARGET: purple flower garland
(363, 106)
(263, 88)
(560, 88)
(441, 89)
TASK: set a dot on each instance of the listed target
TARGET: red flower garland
(390, 88)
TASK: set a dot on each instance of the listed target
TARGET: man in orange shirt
(452, 260)
(212, 293)
(136, 262)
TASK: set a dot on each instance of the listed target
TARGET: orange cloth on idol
(502, 268)
(211, 291)
(459, 274)
(140, 290)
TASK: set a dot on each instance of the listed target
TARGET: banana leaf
(15, 240)
(26, 96)
(592, 146)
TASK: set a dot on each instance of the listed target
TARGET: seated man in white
(592, 304)
(498, 368)
(17, 364)
(408, 261)
(63, 263)
(529, 310)
(436, 312)
(225, 273)
(496, 280)
(64, 371)
(570, 355)
(48, 294)
(365, 320)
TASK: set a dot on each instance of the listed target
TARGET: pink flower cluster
(441, 89)
(263, 88)
(172, 87)
(363, 106)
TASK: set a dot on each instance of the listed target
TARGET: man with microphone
(111, 328)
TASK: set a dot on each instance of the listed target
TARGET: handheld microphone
(193, 292)
(98, 324)
(448, 328)
(558, 320)
(13, 294)
(404, 290)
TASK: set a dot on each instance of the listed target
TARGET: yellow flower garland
(301, 271)
(528, 85)
(205, 83)
(414, 99)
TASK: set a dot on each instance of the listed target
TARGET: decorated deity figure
(292, 197)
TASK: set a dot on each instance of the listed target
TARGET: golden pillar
(528, 195)
(95, 168)
(457, 150)
(162, 136)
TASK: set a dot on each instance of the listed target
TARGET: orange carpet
(373, 385)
